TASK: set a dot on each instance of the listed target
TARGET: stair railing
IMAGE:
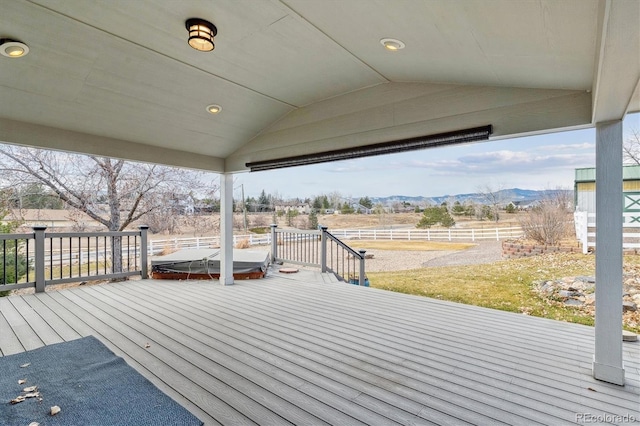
(319, 248)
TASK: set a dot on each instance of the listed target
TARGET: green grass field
(506, 285)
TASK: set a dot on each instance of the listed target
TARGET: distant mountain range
(506, 195)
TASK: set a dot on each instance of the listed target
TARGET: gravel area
(483, 252)
(400, 260)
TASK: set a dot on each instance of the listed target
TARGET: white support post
(607, 359)
(226, 229)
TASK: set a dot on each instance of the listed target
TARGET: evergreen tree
(436, 215)
(346, 208)
(366, 202)
(469, 210)
(10, 270)
(291, 214)
(35, 196)
(458, 209)
(263, 201)
(325, 202)
(431, 216)
(250, 204)
(446, 220)
(317, 203)
(313, 219)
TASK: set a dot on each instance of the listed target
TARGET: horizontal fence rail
(164, 246)
(158, 246)
(44, 258)
(585, 226)
(450, 234)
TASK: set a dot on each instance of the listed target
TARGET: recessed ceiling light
(392, 44)
(13, 49)
(214, 109)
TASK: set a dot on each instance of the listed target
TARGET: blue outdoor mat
(90, 384)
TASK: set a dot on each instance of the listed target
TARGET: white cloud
(568, 147)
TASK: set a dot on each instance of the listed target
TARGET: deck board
(9, 343)
(235, 350)
(298, 349)
(62, 329)
(208, 358)
(357, 346)
(439, 388)
(40, 327)
(21, 328)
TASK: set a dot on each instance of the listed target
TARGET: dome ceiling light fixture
(213, 109)
(392, 44)
(12, 48)
(201, 34)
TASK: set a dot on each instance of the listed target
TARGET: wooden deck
(294, 349)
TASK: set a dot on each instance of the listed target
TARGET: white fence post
(581, 222)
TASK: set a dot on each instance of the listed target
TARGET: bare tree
(631, 148)
(494, 198)
(335, 199)
(380, 211)
(114, 193)
(259, 221)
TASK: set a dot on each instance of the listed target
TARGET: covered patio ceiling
(296, 77)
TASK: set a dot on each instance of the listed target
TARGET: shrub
(243, 244)
(259, 221)
(261, 230)
(547, 223)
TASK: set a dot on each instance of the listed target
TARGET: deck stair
(318, 249)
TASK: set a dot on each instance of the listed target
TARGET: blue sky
(533, 162)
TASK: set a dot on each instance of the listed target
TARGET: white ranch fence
(585, 224)
(453, 234)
